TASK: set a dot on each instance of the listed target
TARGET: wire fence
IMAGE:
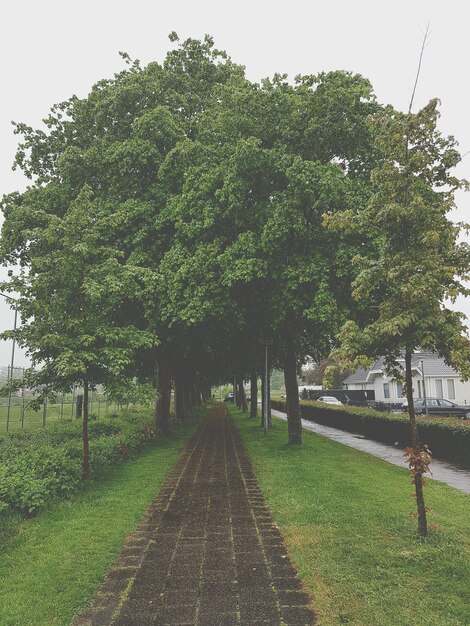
(15, 414)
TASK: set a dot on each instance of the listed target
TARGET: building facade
(431, 376)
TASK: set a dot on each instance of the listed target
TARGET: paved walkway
(207, 552)
(453, 475)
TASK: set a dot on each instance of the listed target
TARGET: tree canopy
(181, 217)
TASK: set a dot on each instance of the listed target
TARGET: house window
(386, 390)
(419, 389)
(439, 392)
(450, 389)
(399, 390)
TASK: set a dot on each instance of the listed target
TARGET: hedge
(38, 466)
(447, 438)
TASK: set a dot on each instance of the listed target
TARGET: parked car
(329, 400)
(439, 406)
(229, 398)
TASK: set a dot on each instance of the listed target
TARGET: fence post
(22, 402)
(73, 400)
(44, 412)
(9, 401)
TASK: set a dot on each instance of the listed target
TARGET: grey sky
(53, 49)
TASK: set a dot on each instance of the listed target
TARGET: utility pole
(424, 389)
(266, 392)
(7, 297)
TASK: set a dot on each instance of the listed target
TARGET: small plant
(419, 461)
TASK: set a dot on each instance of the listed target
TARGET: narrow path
(207, 552)
(453, 475)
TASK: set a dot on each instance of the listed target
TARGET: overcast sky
(51, 50)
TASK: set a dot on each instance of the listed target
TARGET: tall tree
(418, 265)
(261, 206)
(74, 293)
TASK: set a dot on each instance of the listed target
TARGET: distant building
(440, 380)
(309, 387)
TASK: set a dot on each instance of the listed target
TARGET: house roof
(359, 376)
(433, 365)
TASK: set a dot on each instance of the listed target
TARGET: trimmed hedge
(38, 466)
(447, 438)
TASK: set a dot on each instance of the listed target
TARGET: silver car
(329, 400)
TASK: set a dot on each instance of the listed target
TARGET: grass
(347, 519)
(52, 565)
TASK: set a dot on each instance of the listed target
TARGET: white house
(430, 375)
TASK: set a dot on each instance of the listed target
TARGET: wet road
(453, 475)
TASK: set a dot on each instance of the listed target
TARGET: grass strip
(347, 518)
(52, 565)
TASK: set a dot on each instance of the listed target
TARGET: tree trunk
(194, 395)
(237, 397)
(417, 475)
(241, 391)
(194, 392)
(235, 392)
(263, 396)
(294, 425)
(162, 406)
(179, 399)
(268, 392)
(187, 394)
(86, 444)
(253, 394)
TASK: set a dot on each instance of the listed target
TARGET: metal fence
(15, 414)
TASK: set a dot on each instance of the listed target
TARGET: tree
(417, 265)
(130, 142)
(257, 210)
(74, 292)
(315, 375)
(218, 188)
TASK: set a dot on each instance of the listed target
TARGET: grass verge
(347, 520)
(52, 565)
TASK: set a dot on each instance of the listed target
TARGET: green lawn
(347, 519)
(51, 566)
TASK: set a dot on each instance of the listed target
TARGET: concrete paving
(453, 475)
(207, 552)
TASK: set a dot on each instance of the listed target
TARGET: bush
(38, 466)
(446, 437)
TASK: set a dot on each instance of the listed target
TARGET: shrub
(37, 466)
(446, 437)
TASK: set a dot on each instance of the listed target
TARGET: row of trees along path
(181, 218)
